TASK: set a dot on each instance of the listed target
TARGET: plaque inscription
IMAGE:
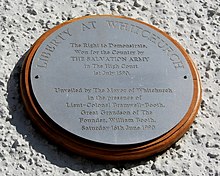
(112, 80)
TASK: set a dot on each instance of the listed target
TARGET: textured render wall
(194, 24)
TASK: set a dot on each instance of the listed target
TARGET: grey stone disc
(112, 80)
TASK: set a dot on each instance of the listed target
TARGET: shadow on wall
(37, 142)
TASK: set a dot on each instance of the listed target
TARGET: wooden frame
(93, 149)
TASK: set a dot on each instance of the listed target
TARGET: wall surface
(194, 24)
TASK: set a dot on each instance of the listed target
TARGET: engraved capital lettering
(55, 42)
(124, 26)
(145, 33)
(176, 61)
(89, 25)
(43, 63)
(153, 38)
(136, 29)
(161, 44)
(49, 48)
(178, 64)
(67, 32)
(112, 24)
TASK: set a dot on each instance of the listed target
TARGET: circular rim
(94, 149)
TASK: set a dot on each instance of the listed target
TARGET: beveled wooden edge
(97, 150)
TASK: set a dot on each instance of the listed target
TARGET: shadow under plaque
(110, 87)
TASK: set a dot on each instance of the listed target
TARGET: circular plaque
(110, 87)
